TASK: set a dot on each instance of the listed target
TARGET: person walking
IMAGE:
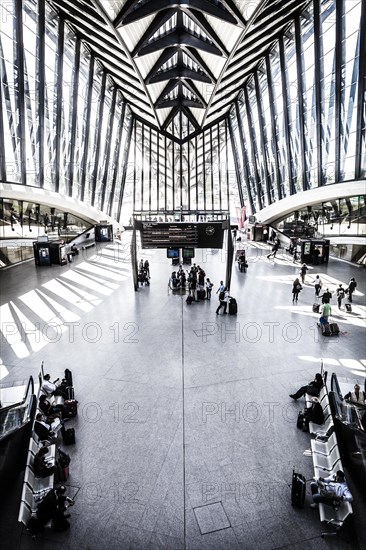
(325, 313)
(303, 269)
(326, 297)
(221, 287)
(296, 289)
(275, 248)
(351, 288)
(223, 301)
(340, 295)
(318, 285)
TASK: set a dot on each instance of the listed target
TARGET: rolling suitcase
(325, 328)
(300, 420)
(348, 307)
(334, 329)
(34, 526)
(233, 307)
(201, 294)
(72, 407)
(189, 300)
(316, 307)
(69, 436)
(61, 474)
(68, 377)
(298, 489)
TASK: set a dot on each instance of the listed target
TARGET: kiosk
(58, 252)
(313, 251)
(41, 249)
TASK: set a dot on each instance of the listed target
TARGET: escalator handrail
(14, 405)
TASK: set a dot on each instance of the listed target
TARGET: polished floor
(186, 435)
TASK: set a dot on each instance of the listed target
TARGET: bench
(327, 460)
(34, 487)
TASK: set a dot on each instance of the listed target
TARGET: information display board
(180, 234)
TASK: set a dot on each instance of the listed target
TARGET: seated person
(42, 429)
(51, 389)
(314, 413)
(313, 388)
(330, 490)
(53, 506)
(356, 396)
(52, 411)
(40, 466)
(74, 250)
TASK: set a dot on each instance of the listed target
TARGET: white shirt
(48, 386)
(340, 488)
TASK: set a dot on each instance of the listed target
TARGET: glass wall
(63, 122)
(300, 120)
(169, 177)
(21, 222)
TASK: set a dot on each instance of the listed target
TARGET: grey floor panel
(185, 437)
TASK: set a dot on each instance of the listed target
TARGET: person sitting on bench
(53, 506)
(51, 388)
(314, 414)
(40, 466)
(52, 411)
(313, 388)
(331, 490)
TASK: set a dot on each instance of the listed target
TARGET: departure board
(180, 234)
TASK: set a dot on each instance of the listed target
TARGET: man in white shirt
(51, 389)
(330, 490)
(223, 301)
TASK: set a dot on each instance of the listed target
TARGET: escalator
(16, 421)
(350, 425)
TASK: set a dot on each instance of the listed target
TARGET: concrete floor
(186, 436)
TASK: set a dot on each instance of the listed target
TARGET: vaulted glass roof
(179, 56)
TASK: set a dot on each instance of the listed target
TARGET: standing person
(265, 233)
(340, 295)
(356, 396)
(223, 301)
(275, 248)
(147, 268)
(209, 286)
(318, 285)
(193, 287)
(351, 288)
(303, 270)
(296, 289)
(221, 287)
(141, 265)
